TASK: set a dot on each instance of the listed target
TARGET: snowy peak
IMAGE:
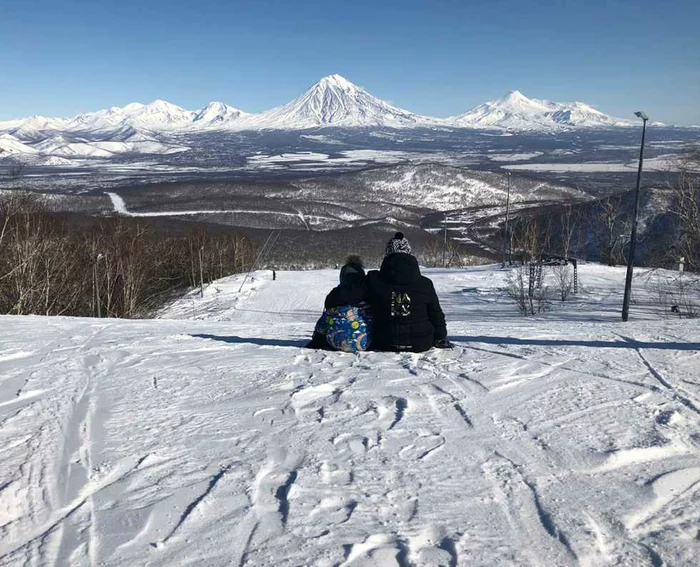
(336, 81)
(217, 114)
(515, 111)
(335, 101)
(515, 98)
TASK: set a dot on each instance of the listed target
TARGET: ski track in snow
(210, 436)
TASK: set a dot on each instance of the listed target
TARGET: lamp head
(642, 115)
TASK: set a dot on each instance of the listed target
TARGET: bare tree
(524, 287)
(531, 236)
(116, 267)
(563, 280)
(608, 229)
(568, 219)
(685, 183)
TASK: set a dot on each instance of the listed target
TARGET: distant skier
(344, 326)
(406, 313)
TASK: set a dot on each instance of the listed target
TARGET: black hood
(400, 268)
(351, 272)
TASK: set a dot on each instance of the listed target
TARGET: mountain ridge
(333, 101)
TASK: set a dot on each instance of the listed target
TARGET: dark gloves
(443, 343)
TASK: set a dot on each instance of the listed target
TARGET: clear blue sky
(439, 57)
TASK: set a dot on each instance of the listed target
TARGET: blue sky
(439, 57)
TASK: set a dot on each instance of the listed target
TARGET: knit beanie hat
(397, 244)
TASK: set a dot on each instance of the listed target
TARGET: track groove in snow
(543, 441)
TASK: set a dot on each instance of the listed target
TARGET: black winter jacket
(405, 309)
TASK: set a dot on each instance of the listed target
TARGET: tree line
(55, 264)
(600, 230)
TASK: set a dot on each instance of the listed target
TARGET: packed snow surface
(211, 437)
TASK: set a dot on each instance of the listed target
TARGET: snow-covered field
(210, 437)
(660, 163)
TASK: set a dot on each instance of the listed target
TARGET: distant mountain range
(332, 102)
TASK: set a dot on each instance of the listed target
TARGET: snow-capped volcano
(334, 101)
(515, 111)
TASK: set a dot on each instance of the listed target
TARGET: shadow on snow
(254, 340)
(630, 343)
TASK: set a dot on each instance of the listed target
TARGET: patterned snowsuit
(346, 328)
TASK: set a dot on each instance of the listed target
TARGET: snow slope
(11, 146)
(515, 111)
(210, 437)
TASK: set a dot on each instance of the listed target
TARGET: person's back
(405, 308)
(346, 322)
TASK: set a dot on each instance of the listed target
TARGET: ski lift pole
(444, 239)
(505, 227)
(252, 266)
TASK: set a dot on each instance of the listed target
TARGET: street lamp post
(633, 234)
(505, 228)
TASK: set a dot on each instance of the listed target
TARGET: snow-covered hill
(11, 146)
(63, 146)
(431, 186)
(515, 111)
(211, 437)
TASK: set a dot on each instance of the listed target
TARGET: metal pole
(633, 235)
(444, 240)
(505, 228)
(201, 272)
(98, 300)
(260, 254)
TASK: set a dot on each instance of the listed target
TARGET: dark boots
(318, 341)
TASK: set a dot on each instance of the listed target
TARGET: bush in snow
(563, 280)
(679, 295)
(525, 287)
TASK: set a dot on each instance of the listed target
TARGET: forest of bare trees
(600, 230)
(111, 267)
(685, 184)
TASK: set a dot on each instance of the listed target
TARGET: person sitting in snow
(344, 326)
(406, 313)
